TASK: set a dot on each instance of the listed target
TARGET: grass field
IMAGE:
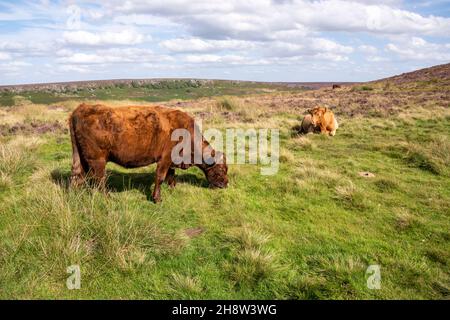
(308, 232)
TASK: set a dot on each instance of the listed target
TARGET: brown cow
(135, 137)
(324, 119)
(307, 126)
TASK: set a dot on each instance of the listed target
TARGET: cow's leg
(97, 171)
(77, 175)
(161, 172)
(80, 168)
(170, 178)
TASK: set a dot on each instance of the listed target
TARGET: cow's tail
(77, 169)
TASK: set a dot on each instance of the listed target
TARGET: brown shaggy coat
(133, 137)
(307, 125)
(323, 118)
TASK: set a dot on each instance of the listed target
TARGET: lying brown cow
(307, 126)
(136, 137)
(324, 119)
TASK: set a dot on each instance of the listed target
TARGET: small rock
(366, 174)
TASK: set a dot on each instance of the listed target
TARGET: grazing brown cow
(134, 137)
(336, 86)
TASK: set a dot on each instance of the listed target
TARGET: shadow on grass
(118, 181)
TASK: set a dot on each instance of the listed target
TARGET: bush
(226, 103)
(362, 88)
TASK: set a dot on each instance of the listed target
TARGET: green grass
(309, 232)
(362, 88)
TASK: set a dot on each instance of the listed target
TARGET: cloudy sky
(266, 40)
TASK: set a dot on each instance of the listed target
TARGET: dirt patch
(194, 232)
(366, 174)
(34, 127)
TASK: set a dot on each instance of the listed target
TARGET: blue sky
(264, 40)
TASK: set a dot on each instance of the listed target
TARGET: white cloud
(26, 48)
(200, 45)
(5, 56)
(329, 56)
(13, 67)
(258, 19)
(376, 59)
(309, 47)
(144, 20)
(108, 56)
(367, 49)
(336, 15)
(416, 48)
(85, 38)
(74, 68)
(204, 58)
(224, 60)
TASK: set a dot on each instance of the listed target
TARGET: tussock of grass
(242, 110)
(251, 266)
(438, 255)
(432, 156)
(347, 193)
(5, 180)
(252, 262)
(247, 237)
(440, 149)
(419, 158)
(386, 185)
(16, 155)
(301, 143)
(286, 156)
(186, 285)
(310, 173)
(404, 220)
(227, 104)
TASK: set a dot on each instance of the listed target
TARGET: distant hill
(435, 77)
(158, 83)
(440, 72)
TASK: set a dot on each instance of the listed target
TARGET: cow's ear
(220, 157)
(209, 157)
(215, 158)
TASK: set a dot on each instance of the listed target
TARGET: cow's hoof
(76, 181)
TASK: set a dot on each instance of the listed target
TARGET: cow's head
(216, 170)
(317, 115)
